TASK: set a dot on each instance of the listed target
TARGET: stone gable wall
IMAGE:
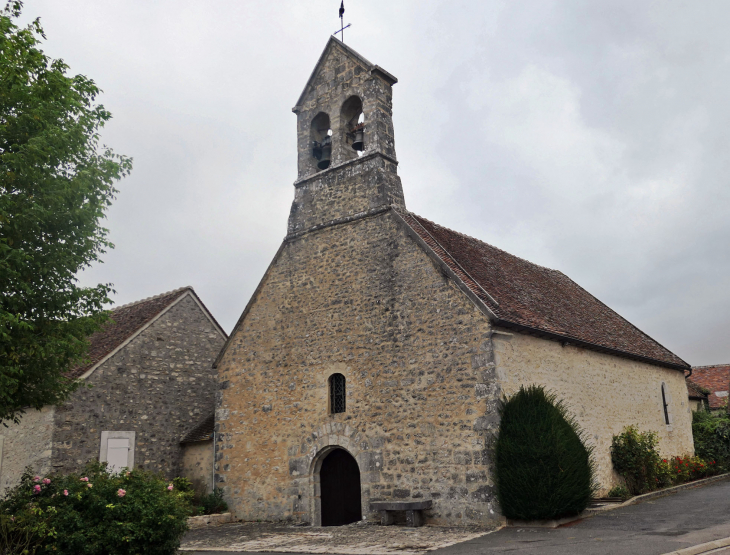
(364, 300)
(604, 392)
(160, 386)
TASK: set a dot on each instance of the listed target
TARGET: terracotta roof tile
(695, 391)
(535, 299)
(123, 323)
(716, 379)
(201, 432)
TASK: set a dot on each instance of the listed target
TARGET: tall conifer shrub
(544, 470)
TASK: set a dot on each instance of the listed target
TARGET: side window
(117, 450)
(665, 405)
(337, 393)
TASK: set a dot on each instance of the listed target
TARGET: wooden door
(339, 480)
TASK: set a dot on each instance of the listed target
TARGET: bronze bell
(357, 143)
(326, 156)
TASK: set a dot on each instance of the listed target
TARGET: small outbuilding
(149, 382)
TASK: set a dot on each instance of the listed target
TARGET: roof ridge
(153, 297)
(485, 243)
(712, 365)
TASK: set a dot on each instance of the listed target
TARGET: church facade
(372, 356)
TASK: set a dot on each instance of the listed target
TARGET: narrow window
(666, 406)
(337, 393)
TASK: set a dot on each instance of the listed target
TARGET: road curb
(659, 493)
(702, 548)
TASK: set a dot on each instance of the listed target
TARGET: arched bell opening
(353, 121)
(321, 136)
(337, 493)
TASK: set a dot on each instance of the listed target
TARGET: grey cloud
(591, 137)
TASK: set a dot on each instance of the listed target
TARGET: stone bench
(414, 516)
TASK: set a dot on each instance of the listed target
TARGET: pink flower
(169, 488)
(84, 479)
(65, 492)
(90, 485)
(37, 488)
(37, 479)
(121, 492)
(46, 481)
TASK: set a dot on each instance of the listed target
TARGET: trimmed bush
(544, 470)
(711, 433)
(95, 513)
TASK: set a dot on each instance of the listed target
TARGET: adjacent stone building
(698, 396)
(372, 355)
(149, 383)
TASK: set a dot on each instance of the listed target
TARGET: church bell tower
(347, 166)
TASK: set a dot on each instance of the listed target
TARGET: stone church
(369, 363)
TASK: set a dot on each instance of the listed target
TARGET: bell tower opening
(321, 136)
(353, 126)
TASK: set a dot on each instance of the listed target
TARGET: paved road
(655, 527)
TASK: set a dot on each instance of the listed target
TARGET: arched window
(665, 404)
(337, 393)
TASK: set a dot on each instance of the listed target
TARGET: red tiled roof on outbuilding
(123, 323)
(538, 300)
(716, 379)
(695, 391)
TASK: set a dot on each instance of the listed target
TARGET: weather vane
(342, 22)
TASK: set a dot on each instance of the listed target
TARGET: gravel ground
(354, 539)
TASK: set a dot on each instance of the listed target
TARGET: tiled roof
(201, 432)
(695, 391)
(716, 379)
(124, 322)
(538, 300)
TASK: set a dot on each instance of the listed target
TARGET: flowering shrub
(637, 460)
(686, 469)
(95, 513)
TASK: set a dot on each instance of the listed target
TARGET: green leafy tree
(56, 181)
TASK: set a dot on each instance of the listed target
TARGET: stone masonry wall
(364, 300)
(604, 392)
(160, 385)
(364, 185)
(197, 465)
(25, 444)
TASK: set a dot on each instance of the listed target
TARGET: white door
(117, 454)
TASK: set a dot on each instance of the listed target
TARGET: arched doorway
(339, 480)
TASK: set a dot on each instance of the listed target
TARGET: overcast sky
(589, 137)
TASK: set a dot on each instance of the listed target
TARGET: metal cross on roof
(342, 25)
